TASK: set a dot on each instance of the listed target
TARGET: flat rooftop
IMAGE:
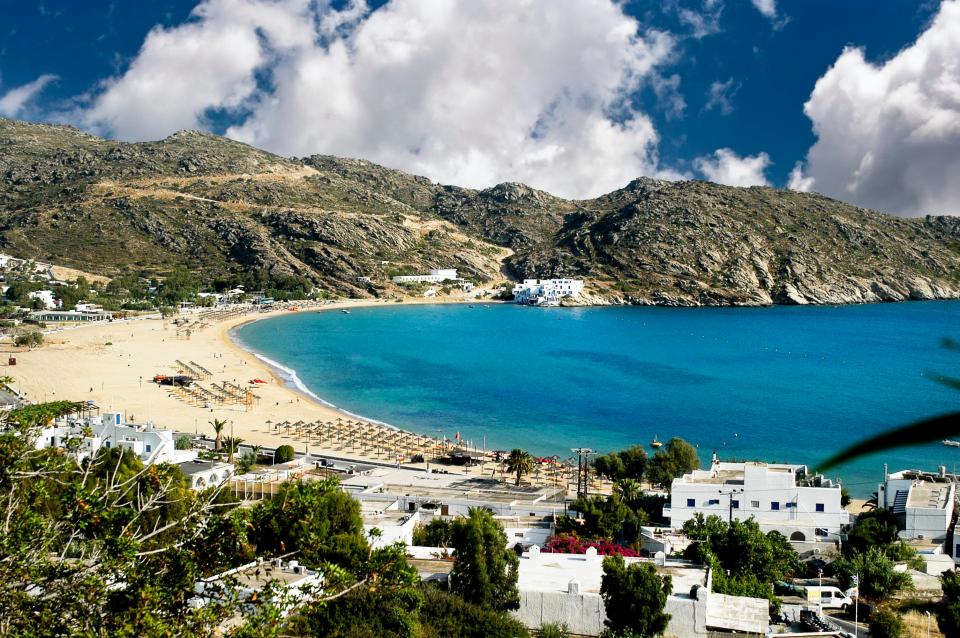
(933, 495)
(439, 486)
(553, 572)
(258, 576)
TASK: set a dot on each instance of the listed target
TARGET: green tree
(878, 578)
(745, 560)
(634, 597)
(218, 426)
(675, 459)
(628, 463)
(484, 571)
(315, 519)
(886, 623)
(519, 462)
(284, 454)
(437, 533)
(948, 617)
(183, 443)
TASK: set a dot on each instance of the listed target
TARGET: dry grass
(916, 623)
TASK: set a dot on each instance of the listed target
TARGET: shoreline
(113, 365)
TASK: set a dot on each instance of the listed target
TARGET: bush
(554, 630)
(183, 443)
(28, 339)
(284, 454)
(886, 624)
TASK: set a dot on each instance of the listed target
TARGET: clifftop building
(785, 498)
(436, 276)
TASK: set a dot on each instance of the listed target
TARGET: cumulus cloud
(888, 135)
(726, 167)
(767, 7)
(16, 100)
(471, 92)
(720, 96)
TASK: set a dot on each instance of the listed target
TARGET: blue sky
(761, 58)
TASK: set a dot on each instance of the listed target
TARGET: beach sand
(113, 365)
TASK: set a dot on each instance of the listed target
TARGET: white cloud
(720, 96)
(471, 92)
(703, 22)
(17, 99)
(888, 135)
(726, 167)
(669, 98)
(767, 7)
(798, 181)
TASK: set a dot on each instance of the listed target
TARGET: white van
(828, 597)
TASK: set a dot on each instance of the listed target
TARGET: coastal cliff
(219, 207)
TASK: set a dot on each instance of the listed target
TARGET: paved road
(847, 625)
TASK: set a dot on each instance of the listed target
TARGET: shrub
(886, 624)
(284, 454)
(554, 630)
(28, 339)
(183, 443)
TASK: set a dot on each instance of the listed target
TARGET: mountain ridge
(227, 209)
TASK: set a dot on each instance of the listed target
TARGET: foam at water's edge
(290, 377)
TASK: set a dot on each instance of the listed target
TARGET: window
(713, 501)
(790, 505)
(148, 447)
(820, 507)
(735, 504)
(691, 502)
(775, 506)
(755, 504)
(820, 531)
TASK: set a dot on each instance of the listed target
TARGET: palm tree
(627, 489)
(218, 426)
(519, 462)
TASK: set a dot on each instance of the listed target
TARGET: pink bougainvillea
(566, 544)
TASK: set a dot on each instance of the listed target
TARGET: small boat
(346, 312)
(655, 443)
(950, 443)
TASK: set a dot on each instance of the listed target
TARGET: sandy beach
(113, 365)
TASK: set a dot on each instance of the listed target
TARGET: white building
(290, 585)
(204, 474)
(68, 316)
(546, 292)
(436, 276)
(565, 588)
(46, 298)
(924, 503)
(784, 498)
(150, 443)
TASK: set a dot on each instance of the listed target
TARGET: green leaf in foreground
(926, 431)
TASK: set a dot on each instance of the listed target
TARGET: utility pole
(729, 495)
(583, 469)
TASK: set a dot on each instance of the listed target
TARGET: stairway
(900, 502)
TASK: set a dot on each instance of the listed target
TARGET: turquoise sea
(781, 384)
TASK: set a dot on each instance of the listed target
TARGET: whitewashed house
(925, 505)
(436, 276)
(291, 585)
(546, 292)
(46, 298)
(203, 474)
(785, 498)
(565, 588)
(148, 442)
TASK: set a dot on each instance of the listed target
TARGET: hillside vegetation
(222, 208)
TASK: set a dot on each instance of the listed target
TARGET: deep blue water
(782, 384)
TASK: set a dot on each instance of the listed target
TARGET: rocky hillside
(223, 208)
